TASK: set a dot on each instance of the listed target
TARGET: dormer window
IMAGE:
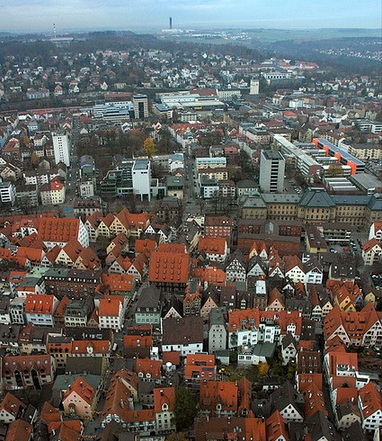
(164, 407)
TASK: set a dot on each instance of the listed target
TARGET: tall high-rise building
(141, 106)
(254, 87)
(170, 23)
(272, 170)
(141, 174)
(61, 147)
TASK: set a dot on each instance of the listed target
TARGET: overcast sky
(39, 15)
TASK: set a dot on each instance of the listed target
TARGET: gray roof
(316, 198)
(187, 330)
(218, 316)
(148, 297)
(287, 198)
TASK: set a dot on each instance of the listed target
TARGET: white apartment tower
(141, 173)
(272, 170)
(61, 147)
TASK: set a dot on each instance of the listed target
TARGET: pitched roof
(164, 396)
(110, 306)
(371, 400)
(168, 267)
(212, 245)
(276, 427)
(213, 393)
(81, 388)
(19, 430)
(58, 229)
(149, 368)
(11, 404)
(39, 304)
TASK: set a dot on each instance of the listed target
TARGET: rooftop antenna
(54, 31)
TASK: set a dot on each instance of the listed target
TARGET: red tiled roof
(39, 304)
(81, 388)
(164, 395)
(146, 366)
(19, 430)
(58, 229)
(168, 267)
(213, 245)
(110, 306)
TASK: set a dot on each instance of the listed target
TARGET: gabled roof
(11, 404)
(213, 245)
(371, 400)
(224, 393)
(110, 306)
(49, 413)
(83, 389)
(39, 304)
(58, 229)
(276, 427)
(168, 267)
(164, 396)
(149, 368)
(19, 430)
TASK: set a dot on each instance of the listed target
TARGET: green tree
(185, 408)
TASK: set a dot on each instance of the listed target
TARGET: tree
(185, 408)
(335, 169)
(263, 368)
(35, 159)
(149, 147)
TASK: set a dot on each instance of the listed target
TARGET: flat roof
(273, 154)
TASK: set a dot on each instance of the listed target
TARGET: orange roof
(73, 249)
(239, 316)
(314, 401)
(145, 244)
(110, 306)
(90, 347)
(134, 341)
(346, 393)
(371, 400)
(164, 395)
(81, 388)
(172, 248)
(202, 365)
(292, 262)
(305, 381)
(39, 304)
(148, 367)
(118, 282)
(276, 427)
(171, 357)
(168, 267)
(49, 413)
(210, 274)
(224, 393)
(213, 245)
(58, 229)
(66, 430)
(16, 276)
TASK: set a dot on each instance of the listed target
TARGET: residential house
(27, 371)
(11, 408)
(169, 270)
(217, 331)
(184, 335)
(236, 267)
(39, 309)
(148, 309)
(372, 252)
(288, 402)
(164, 406)
(370, 406)
(19, 430)
(79, 400)
(215, 248)
(111, 312)
(218, 398)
